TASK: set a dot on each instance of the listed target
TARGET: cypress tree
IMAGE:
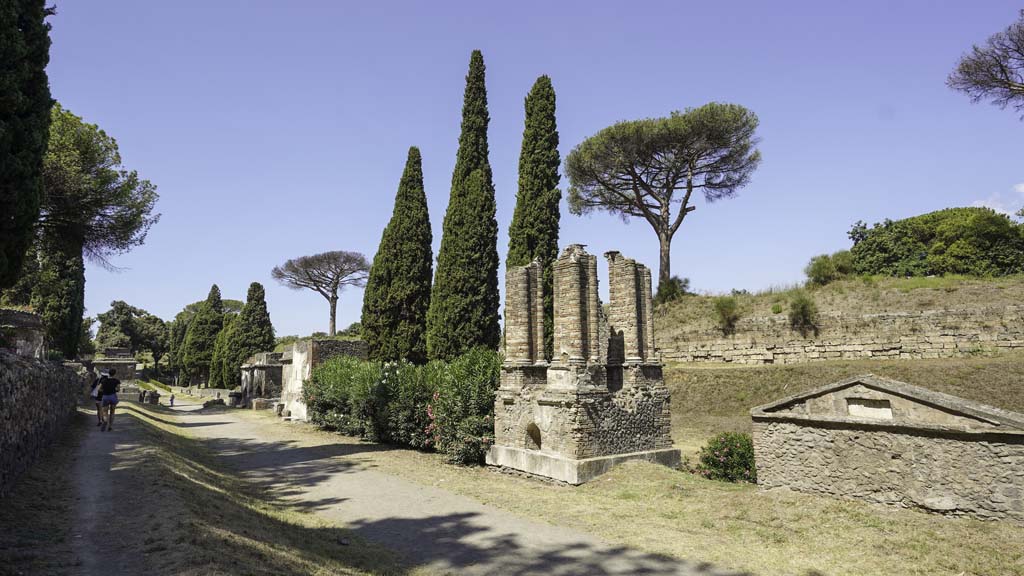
(252, 333)
(219, 361)
(24, 127)
(533, 233)
(202, 336)
(397, 296)
(59, 294)
(463, 311)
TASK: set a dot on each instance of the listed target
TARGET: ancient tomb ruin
(262, 376)
(889, 442)
(602, 399)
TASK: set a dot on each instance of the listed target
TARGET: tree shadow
(459, 544)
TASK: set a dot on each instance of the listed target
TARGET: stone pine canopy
(889, 442)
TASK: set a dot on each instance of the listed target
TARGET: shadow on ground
(250, 476)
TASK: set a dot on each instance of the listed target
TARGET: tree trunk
(332, 329)
(665, 263)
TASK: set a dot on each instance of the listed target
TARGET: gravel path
(104, 498)
(434, 528)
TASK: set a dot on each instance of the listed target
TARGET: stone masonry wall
(928, 334)
(954, 473)
(37, 399)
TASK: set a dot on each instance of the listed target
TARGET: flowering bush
(728, 456)
(463, 406)
(447, 407)
(334, 392)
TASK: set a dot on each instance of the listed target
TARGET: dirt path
(430, 526)
(102, 540)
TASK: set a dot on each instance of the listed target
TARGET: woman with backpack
(108, 386)
(94, 393)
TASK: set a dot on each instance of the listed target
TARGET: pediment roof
(947, 402)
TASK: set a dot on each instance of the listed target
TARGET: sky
(276, 129)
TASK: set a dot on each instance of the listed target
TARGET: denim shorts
(110, 399)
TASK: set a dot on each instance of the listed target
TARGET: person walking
(172, 399)
(108, 394)
(94, 391)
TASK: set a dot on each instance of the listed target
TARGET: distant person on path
(94, 391)
(108, 390)
(172, 399)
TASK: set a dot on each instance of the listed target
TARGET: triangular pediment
(873, 399)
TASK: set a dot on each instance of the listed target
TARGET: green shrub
(463, 408)
(842, 261)
(827, 268)
(971, 241)
(340, 394)
(803, 314)
(776, 308)
(448, 407)
(727, 314)
(413, 390)
(728, 456)
(821, 270)
(671, 290)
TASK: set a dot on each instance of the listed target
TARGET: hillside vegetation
(694, 315)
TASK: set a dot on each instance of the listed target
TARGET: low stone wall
(928, 334)
(37, 399)
(950, 472)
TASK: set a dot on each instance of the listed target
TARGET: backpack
(96, 386)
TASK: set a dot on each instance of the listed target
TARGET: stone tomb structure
(888, 442)
(22, 333)
(602, 400)
(119, 359)
(298, 362)
(262, 376)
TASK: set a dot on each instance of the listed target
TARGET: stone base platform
(573, 471)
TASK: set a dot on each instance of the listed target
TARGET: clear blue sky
(277, 129)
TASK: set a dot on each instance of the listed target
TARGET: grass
(229, 529)
(707, 399)
(693, 317)
(37, 516)
(732, 526)
(737, 527)
(178, 511)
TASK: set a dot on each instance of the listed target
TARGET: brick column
(624, 305)
(537, 308)
(569, 312)
(593, 312)
(517, 315)
(648, 315)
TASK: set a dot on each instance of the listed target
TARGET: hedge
(443, 406)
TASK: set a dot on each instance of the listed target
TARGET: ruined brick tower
(602, 399)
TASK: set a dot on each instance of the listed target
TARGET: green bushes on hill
(826, 268)
(444, 406)
(969, 241)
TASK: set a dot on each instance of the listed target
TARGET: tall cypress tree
(397, 295)
(252, 333)
(533, 233)
(463, 310)
(218, 359)
(24, 126)
(59, 293)
(202, 336)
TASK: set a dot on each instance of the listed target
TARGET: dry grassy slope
(694, 315)
(707, 399)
